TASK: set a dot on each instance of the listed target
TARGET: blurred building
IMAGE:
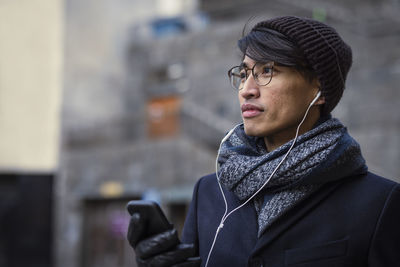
(151, 93)
(145, 103)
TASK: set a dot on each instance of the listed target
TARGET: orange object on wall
(163, 116)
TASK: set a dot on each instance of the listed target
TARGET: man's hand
(160, 250)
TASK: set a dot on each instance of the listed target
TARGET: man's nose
(250, 88)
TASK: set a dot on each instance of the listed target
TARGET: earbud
(316, 98)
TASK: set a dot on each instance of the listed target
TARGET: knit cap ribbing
(327, 54)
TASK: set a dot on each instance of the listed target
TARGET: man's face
(275, 110)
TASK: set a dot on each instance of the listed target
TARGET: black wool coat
(351, 222)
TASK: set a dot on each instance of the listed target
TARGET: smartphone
(152, 213)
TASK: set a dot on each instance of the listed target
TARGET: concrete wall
(31, 52)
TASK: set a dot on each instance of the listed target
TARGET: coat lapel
(292, 216)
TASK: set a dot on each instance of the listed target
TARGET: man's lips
(251, 110)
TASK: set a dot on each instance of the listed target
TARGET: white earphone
(314, 100)
(226, 214)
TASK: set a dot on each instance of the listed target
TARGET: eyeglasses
(262, 74)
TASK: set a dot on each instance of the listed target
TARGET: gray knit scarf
(324, 154)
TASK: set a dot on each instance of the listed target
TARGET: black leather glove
(160, 250)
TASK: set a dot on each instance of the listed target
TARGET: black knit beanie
(327, 54)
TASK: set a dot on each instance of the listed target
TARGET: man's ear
(321, 100)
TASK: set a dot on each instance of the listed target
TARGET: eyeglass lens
(262, 74)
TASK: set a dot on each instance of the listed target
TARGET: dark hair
(262, 44)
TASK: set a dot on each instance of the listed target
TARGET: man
(292, 187)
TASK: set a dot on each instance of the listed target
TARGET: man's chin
(252, 132)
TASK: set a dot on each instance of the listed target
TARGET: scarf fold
(324, 154)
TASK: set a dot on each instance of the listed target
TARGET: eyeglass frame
(255, 77)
